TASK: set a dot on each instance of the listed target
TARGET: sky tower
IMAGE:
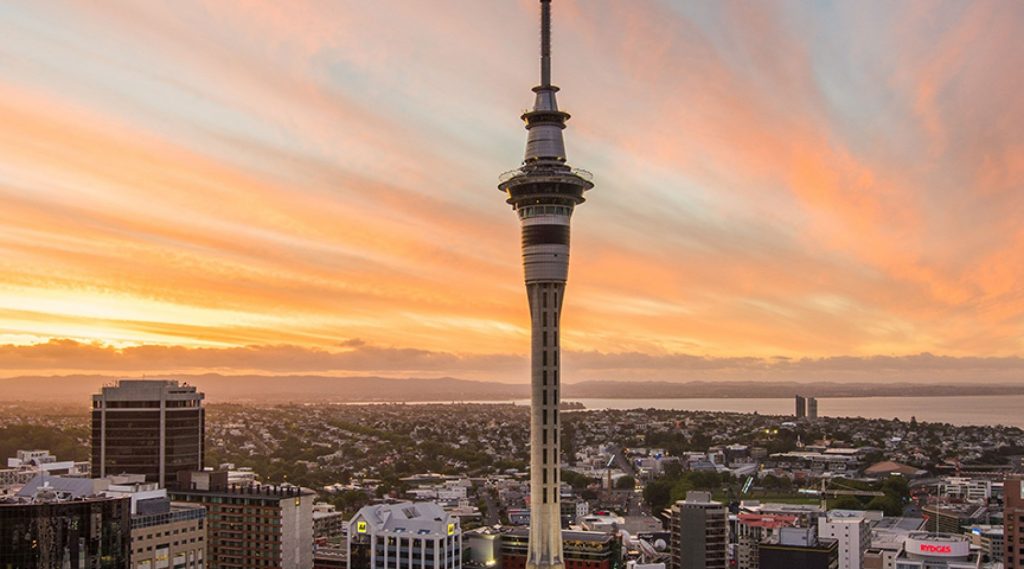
(543, 192)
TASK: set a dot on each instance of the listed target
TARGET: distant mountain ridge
(76, 389)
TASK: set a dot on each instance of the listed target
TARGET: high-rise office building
(543, 192)
(1013, 522)
(251, 525)
(700, 533)
(47, 528)
(799, 548)
(812, 407)
(801, 406)
(405, 535)
(853, 531)
(149, 427)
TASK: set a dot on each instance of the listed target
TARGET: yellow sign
(451, 529)
(361, 527)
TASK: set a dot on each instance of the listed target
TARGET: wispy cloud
(357, 357)
(804, 180)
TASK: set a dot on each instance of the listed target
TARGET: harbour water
(960, 410)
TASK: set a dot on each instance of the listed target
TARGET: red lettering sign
(929, 548)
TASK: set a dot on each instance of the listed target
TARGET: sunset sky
(798, 190)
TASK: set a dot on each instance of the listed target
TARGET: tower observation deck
(544, 191)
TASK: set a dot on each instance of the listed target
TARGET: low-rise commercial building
(966, 489)
(990, 540)
(581, 550)
(27, 464)
(405, 535)
(924, 550)
(164, 533)
(752, 530)
(328, 523)
(954, 518)
(799, 548)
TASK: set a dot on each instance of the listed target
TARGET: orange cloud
(219, 175)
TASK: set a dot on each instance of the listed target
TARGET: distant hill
(76, 389)
(262, 388)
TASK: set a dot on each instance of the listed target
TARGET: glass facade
(88, 533)
(153, 428)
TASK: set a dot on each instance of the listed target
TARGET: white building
(924, 550)
(403, 536)
(852, 529)
(603, 522)
(967, 489)
(29, 463)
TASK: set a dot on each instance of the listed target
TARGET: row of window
(535, 210)
(142, 404)
(175, 544)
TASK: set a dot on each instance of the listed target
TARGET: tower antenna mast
(545, 43)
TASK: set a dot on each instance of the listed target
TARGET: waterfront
(961, 410)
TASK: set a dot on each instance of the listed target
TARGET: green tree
(888, 504)
(658, 494)
(846, 503)
(575, 479)
(897, 488)
(680, 488)
(625, 483)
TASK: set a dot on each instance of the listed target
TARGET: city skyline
(789, 190)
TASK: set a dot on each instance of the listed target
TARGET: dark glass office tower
(150, 427)
(50, 531)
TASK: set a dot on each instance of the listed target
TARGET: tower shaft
(545, 292)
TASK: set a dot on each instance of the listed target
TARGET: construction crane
(750, 481)
(608, 473)
(825, 493)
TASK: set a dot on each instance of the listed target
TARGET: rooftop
(900, 523)
(767, 520)
(422, 518)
